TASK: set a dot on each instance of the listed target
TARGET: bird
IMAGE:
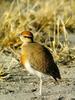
(36, 58)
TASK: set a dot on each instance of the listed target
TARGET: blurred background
(51, 22)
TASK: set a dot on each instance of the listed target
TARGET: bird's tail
(54, 71)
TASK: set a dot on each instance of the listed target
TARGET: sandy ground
(20, 85)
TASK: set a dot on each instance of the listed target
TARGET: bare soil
(20, 85)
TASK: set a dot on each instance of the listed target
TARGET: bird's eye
(25, 36)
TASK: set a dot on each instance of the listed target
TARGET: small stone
(61, 98)
(33, 90)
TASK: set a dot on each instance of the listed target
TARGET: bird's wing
(40, 57)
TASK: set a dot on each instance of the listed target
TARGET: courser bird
(37, 59)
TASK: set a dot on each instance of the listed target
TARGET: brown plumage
(37, 59)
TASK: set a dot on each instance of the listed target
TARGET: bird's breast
(25, 61)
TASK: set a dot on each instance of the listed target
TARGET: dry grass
(47, 19)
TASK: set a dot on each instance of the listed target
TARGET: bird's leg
(40, 86)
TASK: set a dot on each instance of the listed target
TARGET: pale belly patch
(31, 70)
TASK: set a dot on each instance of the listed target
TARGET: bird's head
(26, 37)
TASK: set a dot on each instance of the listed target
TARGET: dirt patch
(20, 85)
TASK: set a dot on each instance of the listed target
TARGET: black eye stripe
(26, 37)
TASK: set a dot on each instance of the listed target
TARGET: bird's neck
(26, 43)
